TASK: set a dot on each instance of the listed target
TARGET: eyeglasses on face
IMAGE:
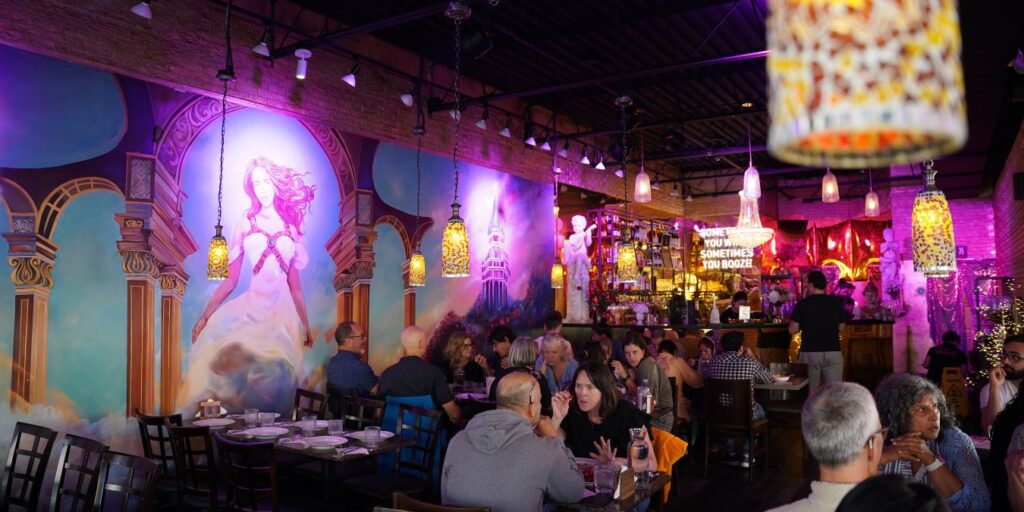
(884, 431)
(1012, 357)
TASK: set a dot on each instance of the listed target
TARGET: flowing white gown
(249, 354)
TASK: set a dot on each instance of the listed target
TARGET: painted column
(31, 259)
(142, 270)
(172, 290)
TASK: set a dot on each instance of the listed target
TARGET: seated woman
(557, 364)
(595, 423)
(925, 446)
(521, 358)
(642, 367)
(676, 367)
(458, 356)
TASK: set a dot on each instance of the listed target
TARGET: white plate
(320, 424)
(214, 422)
(781, 379)
(325, 442)
(266, 432)
(361, 436)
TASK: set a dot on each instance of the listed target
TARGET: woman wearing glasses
(460, 364)
(925, 445)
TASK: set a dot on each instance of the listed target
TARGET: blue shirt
(345, 370)
(566, 381)
(958, 452)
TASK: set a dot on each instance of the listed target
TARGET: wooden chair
(128, 483)
(309, 403)
(402, 502)
(358, 413)
(250, 472)
(195, 467)
(79, 473)
(727, 411)
(156, 440)
(414, 465)
(27, 458)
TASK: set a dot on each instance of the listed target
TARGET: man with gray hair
(499, 461)
(842, 430)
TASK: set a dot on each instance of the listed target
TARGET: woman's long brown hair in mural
(247, 349)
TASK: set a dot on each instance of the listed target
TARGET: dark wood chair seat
(402, 502)
(250, 474)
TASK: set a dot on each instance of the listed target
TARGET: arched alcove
(386, 298)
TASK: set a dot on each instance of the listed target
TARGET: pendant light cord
(419, 153)
(223, 131)
(458, 107)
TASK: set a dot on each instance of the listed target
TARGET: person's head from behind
(601, 332)
(816, 279)
(501, 338)
(739, 299)
(705, 348)
(951, 338)
(523, 353)
(555, 349)
(634, 348)
(842, 430)
(667, 347)
(349, 336)
(594, 389)
(414, 341)
(1013, 357)
(657, 335)
(459, 349)
(593, 351)
(891, 493)
(732, 341)
(909, 403)
(553, 322)
(520, 392)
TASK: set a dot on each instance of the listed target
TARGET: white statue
(577, 261)
(889, 263)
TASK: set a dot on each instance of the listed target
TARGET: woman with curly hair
(459, 357)
(926, 446)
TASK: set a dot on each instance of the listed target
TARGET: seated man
(347, 374)
(841, 428)
(413, 376)
(737, 362)
(500, 447)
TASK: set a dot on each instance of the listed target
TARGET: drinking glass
(638, 451)
(252, 418)
(372, 435)
(266, 419)
(604, 479)
(335, 427)
(308, 426)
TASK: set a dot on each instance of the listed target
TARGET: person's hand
(560, 406)
(996, 377)
(912, 447)
(619, 370)
(308, 343)
(481, 360)
(889, 454)
(605, 452)
(504, 362)
(545, 428)
(198, 328)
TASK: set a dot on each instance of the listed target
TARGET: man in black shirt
(820, 318)
(412, 376)
(946, 355)
(732, 313)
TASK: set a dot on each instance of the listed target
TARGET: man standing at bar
(732, 313)
(819, 317)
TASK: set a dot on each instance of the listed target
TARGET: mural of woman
(246, 351)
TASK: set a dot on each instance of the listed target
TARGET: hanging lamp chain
(458, 106)
(419, 160)
(225, 75)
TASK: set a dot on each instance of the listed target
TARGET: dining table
(597, 503)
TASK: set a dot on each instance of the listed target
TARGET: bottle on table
(644, 400)
(638, 452)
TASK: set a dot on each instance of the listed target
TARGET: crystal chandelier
(218, 263)
(864, 84)
(748, 232)
(455, 242)
(932, 229)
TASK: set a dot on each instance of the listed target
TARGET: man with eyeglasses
(842, 430)
(347, 374)
(1003, 381)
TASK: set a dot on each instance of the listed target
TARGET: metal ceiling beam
(373, 26)
(668, 124)
(702, 153)
(601, 24)
(601, 80)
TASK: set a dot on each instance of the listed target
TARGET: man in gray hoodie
(499, 462)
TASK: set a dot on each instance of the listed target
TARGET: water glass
(372, 435)
(335, 427)
(604, 479)
(488, 382)
(266, 419)
(308, 426)
(252, 418)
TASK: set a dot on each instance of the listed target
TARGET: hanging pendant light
(824, 111)
(455, 241)
(871, 206)
(642, 186)
(418, 265)
(829, 188)
(627, 270)
(557, 276)
(749, 233)
(932, 229)
(218, 264)
(751, 179)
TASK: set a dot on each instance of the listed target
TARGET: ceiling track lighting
(585, 160)
(409, 98)
(482, 123)
(564, 152)
(530, 140)
(600, 162)
(507, 130)
(142, 9)
(655, 184)
(546, 146)
(300, 67)
(350, 78)
(675, 190)
(263, 47)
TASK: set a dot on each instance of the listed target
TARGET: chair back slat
(128, 483)
(79, 471)
(403, 502)
(195, 463)
(27, 458)
(727, 402)
(309, 403)
(156, 440)
(423, 425)
(250, 471)
(358, 413)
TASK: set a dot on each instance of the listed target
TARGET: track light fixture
(454, 114)
(409, 98)
(142, 9)
(675, 190)
(546, 146)
(263, 47)
(564, 152)
(530, 140)
(655, 184)
(507, 130)
(620, 172)
(689, 198)
(586, 159)
(482, 123)
(300, 67)
(350, 78)
(600, 163)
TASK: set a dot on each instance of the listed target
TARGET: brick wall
(1009, 215)
(827, 214)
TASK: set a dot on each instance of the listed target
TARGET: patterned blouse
(957, 451)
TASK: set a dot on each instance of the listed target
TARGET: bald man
(413, 376)
(499, 451)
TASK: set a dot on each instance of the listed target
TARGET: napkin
(357, 451)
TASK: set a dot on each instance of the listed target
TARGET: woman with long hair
(521, 359)
(459, 357)
(247, 351)
(643, 367)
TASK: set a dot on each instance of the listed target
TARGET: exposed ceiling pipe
(670, 124)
